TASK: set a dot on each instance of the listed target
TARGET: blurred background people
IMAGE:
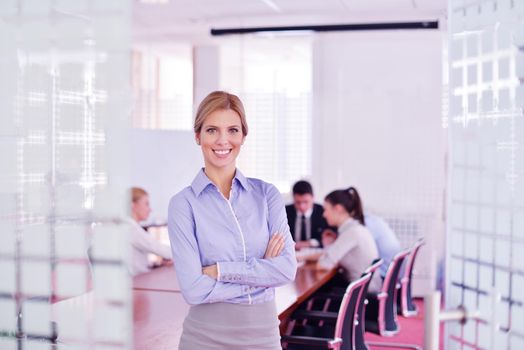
(387, 242)
(305, 217)
(142, 243)
(354, 248)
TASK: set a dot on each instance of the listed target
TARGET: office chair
(381, 310)
(310, 330)
(406, 306)
(360, 344)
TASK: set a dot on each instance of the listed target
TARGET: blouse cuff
(230, 271)
(218, 271)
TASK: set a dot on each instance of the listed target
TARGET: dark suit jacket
(318, 223)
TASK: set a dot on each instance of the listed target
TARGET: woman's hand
(211, 271)
(275, 246)
(328, 237)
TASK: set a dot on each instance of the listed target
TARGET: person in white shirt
(354, 248)
(141, 241)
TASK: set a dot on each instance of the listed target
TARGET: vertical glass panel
(114, 291)
(36, 345)
(456, 270)
(36, 241)
(36, 278)
(516, 342)
(472, 74)
(502, 248)
(502, 283)
(517, 255)
(8, 343)
(73, 319)
(71, 242)
(472, 45)
(459, 184)
(472, 218)
(469, 328)
(472, 187)
(486, 278)
(503, 222)
(501, 339)
(457, 246)
(517, 315)
(498, 139)
(485, 334)
(71, 279)
(470, 274)
(487, 220)
(471, 246)
(8, 319)
(7, 282)
(52, 107)
(518, 225)
(111, 324)
(36, 317)
(503, 68)
(104, 249)
(8, 236)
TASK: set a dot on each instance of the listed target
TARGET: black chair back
(360, 344)
(348, 318)
(390, 288)
(406, 304)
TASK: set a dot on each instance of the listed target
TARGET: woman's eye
(210, 131)
(233, 131)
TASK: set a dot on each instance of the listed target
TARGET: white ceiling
(193, 19)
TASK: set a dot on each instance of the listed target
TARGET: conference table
(159, 308)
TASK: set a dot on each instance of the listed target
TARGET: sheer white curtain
(162, 81)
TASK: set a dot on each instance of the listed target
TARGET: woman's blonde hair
(219, 100)
(137, 193)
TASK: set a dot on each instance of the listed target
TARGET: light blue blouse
(205, 229)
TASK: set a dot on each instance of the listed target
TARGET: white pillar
(206, 72)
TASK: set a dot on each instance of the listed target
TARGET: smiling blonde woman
(230, 240)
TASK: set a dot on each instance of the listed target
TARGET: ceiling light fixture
(330, 28)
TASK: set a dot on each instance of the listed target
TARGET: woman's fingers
(275, 246)
(280, 246)
(267, 255)
(272, 245)
(210, 270)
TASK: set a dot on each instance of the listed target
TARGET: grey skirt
(231, 326)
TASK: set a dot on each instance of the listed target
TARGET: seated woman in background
(354, 248)
(142, 243)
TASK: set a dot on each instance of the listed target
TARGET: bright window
(163, 87)
(273, 77)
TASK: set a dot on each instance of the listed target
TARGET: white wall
(377, 126)
(163, 162)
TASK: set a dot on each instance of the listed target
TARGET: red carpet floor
(411, 331)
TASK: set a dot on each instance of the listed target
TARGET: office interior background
(97, 96)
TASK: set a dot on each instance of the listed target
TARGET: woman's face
(141, 208)
(220, 139)
(330, 214)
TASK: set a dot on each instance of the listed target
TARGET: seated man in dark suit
(305, 219)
